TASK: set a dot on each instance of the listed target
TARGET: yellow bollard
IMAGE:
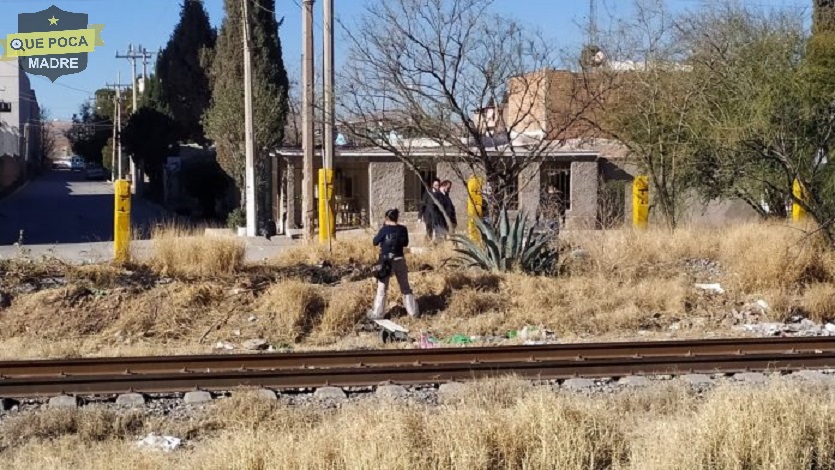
(640, 202)
(121, 221)
(474, 207)
(327, 219)
(798, 212)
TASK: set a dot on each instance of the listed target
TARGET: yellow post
(640, 202)
(327, 219)
(474, 207)
(121, 220)
(798, 213)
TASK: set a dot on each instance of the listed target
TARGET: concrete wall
(386, 189)
(530, 189)
(584, 186)
(694, 213)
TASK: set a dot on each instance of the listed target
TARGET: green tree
(150, 137)
(224, 119)
(183, 70)
(89, 133)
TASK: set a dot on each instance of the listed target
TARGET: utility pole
(116, 168)
(136, 173)
(251, 206)
(307, 117)
(326, 229)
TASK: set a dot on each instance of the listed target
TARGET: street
(62, 207)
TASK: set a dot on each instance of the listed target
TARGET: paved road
(63, 207)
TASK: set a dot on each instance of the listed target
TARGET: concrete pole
(251, 206)
(307, 118)
(329, 79)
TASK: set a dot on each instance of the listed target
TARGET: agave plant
(508, 246)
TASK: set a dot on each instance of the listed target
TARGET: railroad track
(362, 368)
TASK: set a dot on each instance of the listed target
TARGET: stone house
(370, 181)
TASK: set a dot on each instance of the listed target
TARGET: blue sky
(150, 22)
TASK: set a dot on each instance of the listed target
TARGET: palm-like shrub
(507, 247)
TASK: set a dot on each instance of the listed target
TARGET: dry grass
(293, 309)
(187, 253)
(499, 424)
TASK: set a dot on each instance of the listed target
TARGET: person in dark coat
(441, 227)
(428, 211)
(392, 239)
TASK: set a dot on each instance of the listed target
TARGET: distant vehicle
(77, 163)
(62, 164)
(95, 172)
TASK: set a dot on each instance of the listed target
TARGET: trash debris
(253, 318)
(762, 304)
(256, 344)
(391, 332)
(224, 345)
(427, 341)
(715, 288)
(154, 441)
(459, 339)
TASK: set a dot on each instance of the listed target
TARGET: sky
(150, 22)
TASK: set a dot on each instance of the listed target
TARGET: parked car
(77, 163)
(62, 164)
(95, 172)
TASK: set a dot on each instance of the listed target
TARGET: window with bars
(555, 179)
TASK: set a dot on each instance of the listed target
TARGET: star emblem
(53, 20)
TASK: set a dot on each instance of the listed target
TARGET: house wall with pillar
(585, 177)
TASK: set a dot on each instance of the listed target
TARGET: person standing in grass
(428, 212)
(392, 239)
(446, 207)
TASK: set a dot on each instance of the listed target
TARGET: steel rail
(411, 374)
(393, 357)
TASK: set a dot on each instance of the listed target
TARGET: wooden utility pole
(136, 173)
(251, 206)
(116, 169)
(307, 118)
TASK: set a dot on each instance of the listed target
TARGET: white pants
(401, 272)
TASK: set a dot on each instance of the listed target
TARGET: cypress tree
(183, 70)
(224, 120)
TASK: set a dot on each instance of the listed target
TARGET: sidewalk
(257, 250)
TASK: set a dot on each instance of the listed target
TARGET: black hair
(436, 180)
(393, 214)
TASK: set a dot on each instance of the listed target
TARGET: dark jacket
(449, 208)
(392, 239)
(428, 211)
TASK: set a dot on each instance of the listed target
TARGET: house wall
(584, 196)
(694, 213)
(387, 184)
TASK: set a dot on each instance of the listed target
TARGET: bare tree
(420, 71)
(650, 95)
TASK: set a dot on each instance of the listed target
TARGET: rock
(257, 344)
(829, 327)
(450, 392)
(762, 304)
(697, 380)
(578, 384)
(579, 254)
(392, 392)
(330, 393)
(131, 399)
(7, 404)
(634, 381)
(266, 394)
(224, 345)
(252, 318)
(160, 443)
(810, 375)
(5, 301)
(714, 288)
(750, 377)
(64, 401)
(198, 397)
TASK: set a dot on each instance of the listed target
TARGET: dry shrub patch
(293, 309)
(495, 424)
(183, 252)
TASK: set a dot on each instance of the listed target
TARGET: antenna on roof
(592, 32)
(592, 55)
